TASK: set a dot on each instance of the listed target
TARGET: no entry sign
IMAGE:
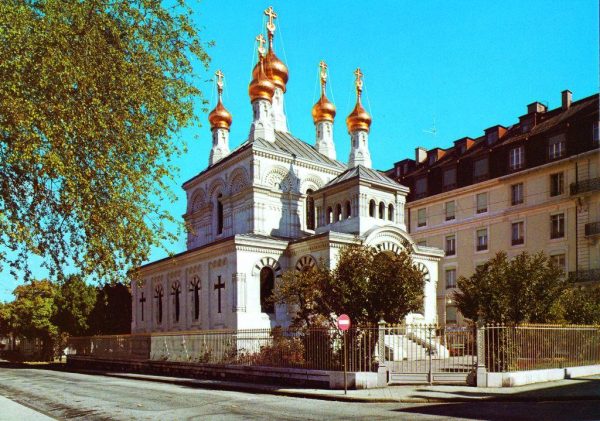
(343, 322)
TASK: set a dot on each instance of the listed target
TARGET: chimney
(536, 107)
(567, 97)
(420, 154)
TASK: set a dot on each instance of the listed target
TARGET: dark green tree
(524, 289)
(92, 96)
(74, 302)
(581, 306)
(112, 312)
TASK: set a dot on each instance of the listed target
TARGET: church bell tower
(359, 124)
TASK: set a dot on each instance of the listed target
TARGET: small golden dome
(323, 110)
(359, 118)
(219, 117)
(261, 86)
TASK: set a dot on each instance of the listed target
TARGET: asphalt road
(64, 395)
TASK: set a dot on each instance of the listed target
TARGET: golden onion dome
(219, 117)
(275, 70)
(261, 86)
(323, 110)
(359, 118)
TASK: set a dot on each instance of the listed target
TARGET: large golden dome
(359, 118)
(323, 110)
(219, 117)
(275, 70)
(261, 86)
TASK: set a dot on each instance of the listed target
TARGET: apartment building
(534, 185)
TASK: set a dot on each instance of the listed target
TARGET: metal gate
(429, 353)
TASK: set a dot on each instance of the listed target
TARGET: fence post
(382, 372)
(481, 368)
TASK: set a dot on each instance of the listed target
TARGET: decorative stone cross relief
(142, 301)
(219, 286)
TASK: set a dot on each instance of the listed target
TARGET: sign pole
(345, 365)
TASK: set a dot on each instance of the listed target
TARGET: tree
(74, 302)
(92, 93)
(366, 284)
(582, 306)
(111, 314)
(525, 289)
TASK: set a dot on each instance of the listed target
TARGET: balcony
(592, 275)
(585, 186)
(592, 229)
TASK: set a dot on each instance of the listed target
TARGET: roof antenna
(432, 130)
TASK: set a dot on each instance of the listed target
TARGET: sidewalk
(14, 411)
(587, 388)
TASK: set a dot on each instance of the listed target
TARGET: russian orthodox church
(274, 203)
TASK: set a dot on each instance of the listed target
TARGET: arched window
(195, 290)
(267, 283)
(381, 210)
(372, 207)
(338, 212)
(219, 214)
(310, 210)
(159, 303)
(175, 293)
(329, 215)
(391, 212)
(348, 210)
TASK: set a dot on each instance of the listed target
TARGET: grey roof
(363, 173)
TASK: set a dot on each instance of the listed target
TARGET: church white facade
(273, 204)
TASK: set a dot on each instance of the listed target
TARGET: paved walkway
(13, 411)
(586, 388)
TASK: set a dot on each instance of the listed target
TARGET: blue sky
(468, 65)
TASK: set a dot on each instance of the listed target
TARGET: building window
(480, 169)
(381, 210)
(450, 278)
(372, 207)
(517, 233)
(449, 179)
(267, 283)
(348, 210)
(329, 215)
(482, 203)
(557, 225)
(421, 217)
(450, 210)
(390, 212)
(451, 314)
(516, 194)
(338, 212)
(219, 214)
(450, 247)
(482, 239)
(159, 303)
(560, 261)
(516, 158)
(595, 134)
(310, 210)
(422, 243)
(195, 290)
(557, 184)
(176, 293)
(556, 147)
(421, 187)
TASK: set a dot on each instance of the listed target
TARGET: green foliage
(92, 93)
(366, 284)
(74, 302)
(525, 289)
(32, 310)
(5, 319)
(582, 306)
(111, 314)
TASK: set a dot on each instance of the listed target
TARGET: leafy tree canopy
(525, 289)
(366, 284)
(32, 310)
(74, 302)
(582, 306)
(92, 93)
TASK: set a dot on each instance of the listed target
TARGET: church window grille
(219, 214)
(310, 210)
(391, 212)
(176, 293)
(348, 210)
(195, 290)
(372, 206)
(338, 213)
(329, 215)
(267, 283)
(381, 210)
(159, 303)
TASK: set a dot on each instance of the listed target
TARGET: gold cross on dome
(261, 41)
(272, 15)
(323, 67)
(219, 74)
(358, 82)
